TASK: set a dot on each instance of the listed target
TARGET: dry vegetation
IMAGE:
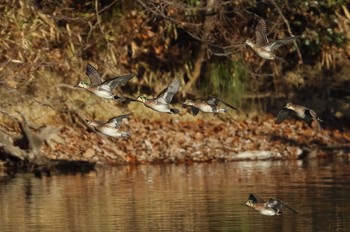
(46, 44)
(206, 139)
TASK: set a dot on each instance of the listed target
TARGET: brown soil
(203, 139)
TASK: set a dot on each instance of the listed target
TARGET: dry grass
(40, 50)
(46, 44)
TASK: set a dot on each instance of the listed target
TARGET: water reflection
(201, 197)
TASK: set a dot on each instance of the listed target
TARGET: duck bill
(244, 204)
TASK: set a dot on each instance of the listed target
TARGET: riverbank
(75, 147)
(172, 140)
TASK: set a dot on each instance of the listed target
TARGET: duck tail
(174, 111)
(126, 135)
(117, 98)
(223, 110)
(280, 59)
(123, 99)
(291, 209)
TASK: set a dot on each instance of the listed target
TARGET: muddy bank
(77, 148)
(171, 140)
(198, 140)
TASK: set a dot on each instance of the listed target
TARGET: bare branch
(288, 28)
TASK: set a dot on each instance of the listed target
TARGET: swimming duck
(162, 102)
(263, 47)
(270, 208)
(209, 105)
(110, 128)
(301, 112)
(102, 88)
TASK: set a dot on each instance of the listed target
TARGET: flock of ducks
(161, 103)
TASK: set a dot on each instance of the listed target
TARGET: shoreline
(77, 148)
(178, 141)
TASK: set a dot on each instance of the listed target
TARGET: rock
(254, 155)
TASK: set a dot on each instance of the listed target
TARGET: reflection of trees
(200, 197)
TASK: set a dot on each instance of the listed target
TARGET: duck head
(90, 122)
(289, 106)
(142, 99)
(188, 102)
(249, 42)
(250, 203)
(83, 84)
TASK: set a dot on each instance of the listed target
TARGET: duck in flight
(209, 105)
(162, 102)
(301, 112)
(268, 208)
(111, 127)
(263, 47)
(102, 88)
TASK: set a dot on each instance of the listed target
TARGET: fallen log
(25, 155)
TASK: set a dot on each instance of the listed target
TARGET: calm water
(200, 197)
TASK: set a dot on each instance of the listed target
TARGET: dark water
(201, 197)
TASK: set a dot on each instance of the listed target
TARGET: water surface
(199, 197)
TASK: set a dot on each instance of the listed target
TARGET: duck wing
(255, 198)
(93, 74)
(116, 121)
(213, 101)
(283, 114)
(110, 84)
(167, 94)
(261, 33)
(281, 204)
(311, 114)
(290, 208)
(315, 120)
(194, 110)
(272, 46)
(274, 204)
